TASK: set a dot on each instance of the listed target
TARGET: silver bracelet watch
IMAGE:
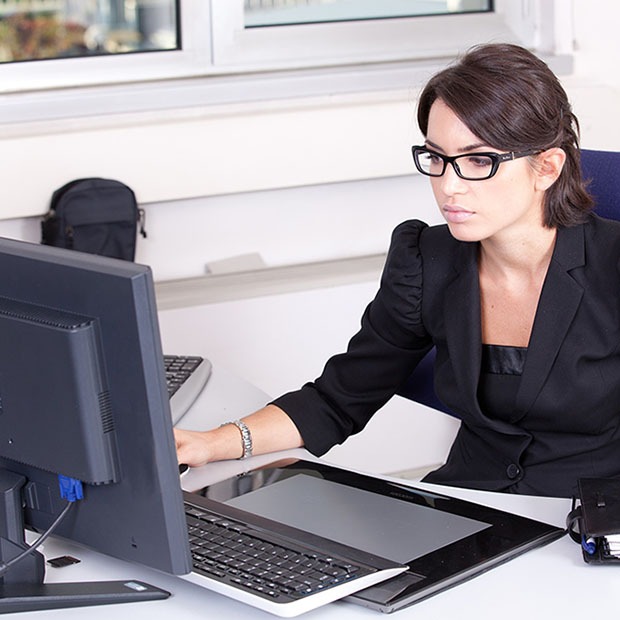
(246, 438)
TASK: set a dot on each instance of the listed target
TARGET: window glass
(258, 13)
(42, 29)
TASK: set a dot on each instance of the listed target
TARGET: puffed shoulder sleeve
(383, 353)
(396, 311)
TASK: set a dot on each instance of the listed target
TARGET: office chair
(601, 169)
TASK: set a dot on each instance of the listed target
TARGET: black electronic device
(83, 396)
(595, 522)
(443, 540)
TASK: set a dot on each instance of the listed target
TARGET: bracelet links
(246, 438)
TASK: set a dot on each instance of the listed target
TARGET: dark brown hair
(511, 100)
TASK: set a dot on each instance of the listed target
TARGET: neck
(525, 255)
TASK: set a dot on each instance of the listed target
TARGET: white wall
(597, 42)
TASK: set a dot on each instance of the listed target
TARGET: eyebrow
(465, 149)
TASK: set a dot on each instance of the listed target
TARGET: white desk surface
(549, 582)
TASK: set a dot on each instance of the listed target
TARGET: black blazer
(568, 404)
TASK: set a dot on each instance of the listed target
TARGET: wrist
(245, 436)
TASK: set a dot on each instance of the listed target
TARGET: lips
(455, 214)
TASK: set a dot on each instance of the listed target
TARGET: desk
(550, 582)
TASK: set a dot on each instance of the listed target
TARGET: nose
(450, 182)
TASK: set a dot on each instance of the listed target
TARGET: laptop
(441, 541)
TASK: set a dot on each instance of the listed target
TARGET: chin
(462, 232)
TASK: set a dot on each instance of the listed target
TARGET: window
(122, 42)
(317, 46)
(312, 33)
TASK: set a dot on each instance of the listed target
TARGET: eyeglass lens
(468, 166)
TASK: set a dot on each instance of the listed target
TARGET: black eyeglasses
(471, 166)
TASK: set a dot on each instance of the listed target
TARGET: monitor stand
(22, 587)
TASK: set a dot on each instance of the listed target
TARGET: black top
(500, 377)
(562, 420)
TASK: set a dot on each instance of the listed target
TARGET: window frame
(131, 67)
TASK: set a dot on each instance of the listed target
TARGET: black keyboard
(272, 569)
(186, 376)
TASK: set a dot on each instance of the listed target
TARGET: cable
(71, 490)
(4, 567)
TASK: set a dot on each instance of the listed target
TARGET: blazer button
(513, 471)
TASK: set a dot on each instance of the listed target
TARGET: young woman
(519, 292)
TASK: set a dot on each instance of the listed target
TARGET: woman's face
(507, 203)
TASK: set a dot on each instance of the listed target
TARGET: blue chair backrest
(601, 169)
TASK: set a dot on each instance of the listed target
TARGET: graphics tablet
(443, 540)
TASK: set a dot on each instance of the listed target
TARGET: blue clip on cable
(70, 488)
(589, 545)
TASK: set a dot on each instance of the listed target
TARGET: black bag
(98, 216)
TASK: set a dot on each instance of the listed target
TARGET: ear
(549, 165)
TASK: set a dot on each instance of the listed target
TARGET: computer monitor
(83, 395)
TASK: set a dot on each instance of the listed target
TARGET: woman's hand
(193, 447)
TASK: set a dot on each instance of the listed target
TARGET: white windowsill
(31, 112)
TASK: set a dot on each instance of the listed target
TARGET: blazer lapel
(462, 321)
(559, 301)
